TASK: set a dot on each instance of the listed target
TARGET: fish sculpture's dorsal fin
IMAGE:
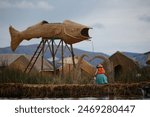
(38, 24)
(44, 22)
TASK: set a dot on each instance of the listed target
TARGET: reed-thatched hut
(20, 62)
(82, 66)
(124, 67)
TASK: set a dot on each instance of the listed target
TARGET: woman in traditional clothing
(100, 75)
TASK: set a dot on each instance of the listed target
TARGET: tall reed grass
(16, 76)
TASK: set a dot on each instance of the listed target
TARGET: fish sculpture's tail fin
(15, 38)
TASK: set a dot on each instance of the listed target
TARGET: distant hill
(30, 49)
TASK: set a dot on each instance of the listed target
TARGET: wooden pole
(62, 58)
(74, 66)
(53, 55)
(42, 57)
(72, 53)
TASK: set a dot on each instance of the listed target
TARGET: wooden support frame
(53, 51)
(34, 57)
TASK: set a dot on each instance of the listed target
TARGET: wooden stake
(72, 53)
(42, 57)
(53, 55)
(62, 55)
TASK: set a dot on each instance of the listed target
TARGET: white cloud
(24, 4)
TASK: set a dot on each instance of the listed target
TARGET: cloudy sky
(118, 25)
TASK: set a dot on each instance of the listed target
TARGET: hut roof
(68, 60)
(139, 58)
(116, 59)
(46, 64)
(8, 59)
(84, 65)
(123, 54)
(51, 59)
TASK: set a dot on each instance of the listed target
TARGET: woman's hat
(99, 65)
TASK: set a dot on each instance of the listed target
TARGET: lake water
(109, 97)
(100, 98)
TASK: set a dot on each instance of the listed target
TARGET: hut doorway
(118, 72)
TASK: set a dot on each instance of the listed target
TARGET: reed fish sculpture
(68, 31)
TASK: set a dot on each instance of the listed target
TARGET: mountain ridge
(30, 49)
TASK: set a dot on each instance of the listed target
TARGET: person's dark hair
(97, 66)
